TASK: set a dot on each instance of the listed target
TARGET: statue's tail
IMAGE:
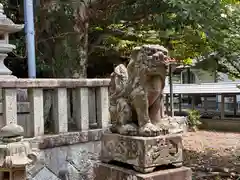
(121, 71)
(118, 80)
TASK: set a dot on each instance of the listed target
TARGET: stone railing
(87, 106)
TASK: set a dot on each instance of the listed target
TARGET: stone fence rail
(89, 104)
(76, 105)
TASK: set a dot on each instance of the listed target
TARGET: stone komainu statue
(136, 92)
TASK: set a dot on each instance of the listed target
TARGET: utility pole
(30, 37)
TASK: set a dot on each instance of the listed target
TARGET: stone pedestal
(143, 153)
(141, 158)
(104, 171)
(137, 108)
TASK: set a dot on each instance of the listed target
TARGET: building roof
(205, 88)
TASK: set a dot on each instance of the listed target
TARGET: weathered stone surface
(19, 174)
(70, 138)
(103, 117)
(11, 130)
(53, 83)
(71, 162)
(7, 26)
(15, 153)
(45, 174)
(136, 92)
(110, 172)
(9, 106)
(176, 124)
(144, 153)
(33, 170)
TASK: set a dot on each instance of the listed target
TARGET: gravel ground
(212, 155)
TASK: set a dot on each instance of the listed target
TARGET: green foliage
(194, 119)
(61, 33)
(189, 28)
(67, 30)
(121, 38)
(187, 61)
(60, 37)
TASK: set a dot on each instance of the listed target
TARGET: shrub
(194, 119)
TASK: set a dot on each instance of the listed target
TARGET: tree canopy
(188, 28)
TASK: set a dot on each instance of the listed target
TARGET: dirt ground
(212, 155)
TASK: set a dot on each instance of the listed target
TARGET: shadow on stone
(130, 167)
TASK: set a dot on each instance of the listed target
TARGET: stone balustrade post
(103, 117)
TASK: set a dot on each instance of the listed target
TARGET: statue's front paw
(149, 130)
(163, 127)
(114, 128)
(128, 129)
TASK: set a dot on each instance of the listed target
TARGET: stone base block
(143, 153)
(110, 172)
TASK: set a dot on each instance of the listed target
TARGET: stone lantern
(15, 154)
(6, 27)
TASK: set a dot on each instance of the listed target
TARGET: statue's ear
(135, 52)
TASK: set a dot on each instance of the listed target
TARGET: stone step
(104, 171)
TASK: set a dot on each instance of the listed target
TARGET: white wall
(201, 76)
(224, 78)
